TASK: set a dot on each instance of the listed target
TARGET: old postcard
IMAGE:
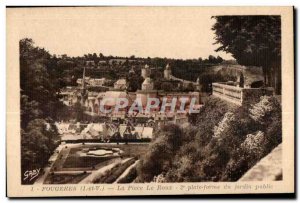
(118, 101)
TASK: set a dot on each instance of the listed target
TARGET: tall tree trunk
(273, 77)
(277, 79)
(265, 74)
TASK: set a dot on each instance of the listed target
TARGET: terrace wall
(239, 96)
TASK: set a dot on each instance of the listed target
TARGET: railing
(238, 95)
(230, 93)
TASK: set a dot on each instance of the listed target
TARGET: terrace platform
(239, 96)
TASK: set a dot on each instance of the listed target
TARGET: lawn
(75, 161)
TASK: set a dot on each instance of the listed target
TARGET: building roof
(147, 81)
(144, 97)
(168, 67)
(143, 132)
(112, 96)
(102, 62)
(131, 70)
(90, 63)
(122, 61)
(101, 95)
(68, 89)
(97, 79)
(121, 82)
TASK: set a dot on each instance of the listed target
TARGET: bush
(38, 143)
(262, 126)
(265, 110)
(207, 79)
(221, 145)
(130, 177)
(159, 158)
(111, 175)
(209, 116)
(267, 115)
(254, 144)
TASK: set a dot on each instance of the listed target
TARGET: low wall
(239, 96)
(229, 93)
(268, 168)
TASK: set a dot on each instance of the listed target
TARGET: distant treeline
(115, 67)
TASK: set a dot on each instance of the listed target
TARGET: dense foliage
(221, 144)
(253, 41)
(39, 105)
(207, 78)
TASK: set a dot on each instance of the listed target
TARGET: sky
(155, 32)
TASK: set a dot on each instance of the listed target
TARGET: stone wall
(228, 93)
(268, 168)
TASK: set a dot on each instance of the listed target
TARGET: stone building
(131, 71)
(121, 84)
(167, 72)
(147, 84)
(90, 64)
(146, 72)
(198, 85)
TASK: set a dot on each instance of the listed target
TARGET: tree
(95, 58)
(267, 114)
(40, 76)
(167, 86)
(242, 80)
(134, 82)
(38, 143)
(252, 41)
(219, 59)
(189, 87)
(211, 59)
(101, 56)
(207, 78)
(29, 110)
(160, 155)
(79, 111)
(265, 110)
